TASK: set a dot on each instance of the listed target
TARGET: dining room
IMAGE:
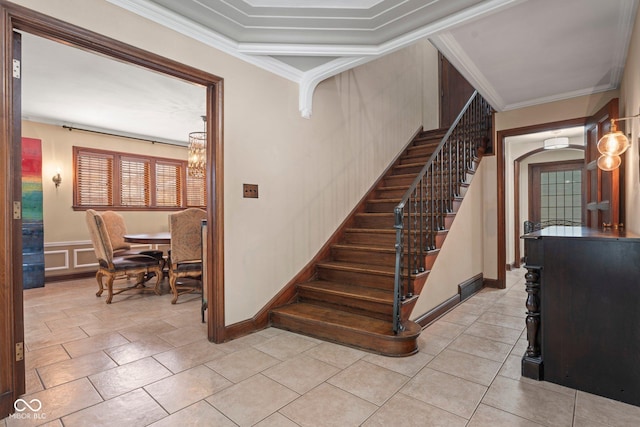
(139, 121)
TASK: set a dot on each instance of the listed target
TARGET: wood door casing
(603, 190)
(12, 369)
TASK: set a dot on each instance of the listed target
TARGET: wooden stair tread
(371, 230)
(357, 267)
(361, 247)
(352, 291)
(345, 320)
(380, 270)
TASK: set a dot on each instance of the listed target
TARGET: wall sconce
(57, 179)
(612, 145)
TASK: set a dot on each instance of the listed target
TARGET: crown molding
(352, 56)
(198, 32)
(449, 47)
(560, 97)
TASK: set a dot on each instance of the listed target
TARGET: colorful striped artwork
(32, 218)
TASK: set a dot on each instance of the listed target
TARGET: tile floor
(142, 361)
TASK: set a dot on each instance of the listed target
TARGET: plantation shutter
(196, 191)
(134, 182)
(168, 185)
(94, 177)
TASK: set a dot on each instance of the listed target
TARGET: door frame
(517, 259)
(501, 135)
(19, 18)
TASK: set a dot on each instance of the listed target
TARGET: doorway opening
(525, 154)
(20, 19)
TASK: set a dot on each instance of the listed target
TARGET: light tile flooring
(142, 361)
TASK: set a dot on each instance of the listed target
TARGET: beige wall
(311, 173)
(630, 106)
(461, 256)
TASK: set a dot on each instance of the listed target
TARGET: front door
(555, 191)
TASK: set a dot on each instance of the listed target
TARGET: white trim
(66, 260)
(184, 26)
(75, 258)
(313, 77)
(625, 27)
(450, 48)
(559, 97)
(69, 243)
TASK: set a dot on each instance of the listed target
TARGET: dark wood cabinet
(583, 310)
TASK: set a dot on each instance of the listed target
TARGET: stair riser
(392, 194)
(414, 158)
(407, 181)
(353, 305)
(356, 278)
(366, 257)
(398, 181)
(389, 207)
(430, 141)
(373, 239)
(405, 169)
(388, 221)
(390, 346)
(383, 240)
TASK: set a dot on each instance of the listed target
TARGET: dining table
(158, 238)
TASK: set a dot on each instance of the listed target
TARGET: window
(108, 179)
(556, 191)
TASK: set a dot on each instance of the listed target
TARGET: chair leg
(174, 290)
(110, 288)
(156, 288)
(99, 276)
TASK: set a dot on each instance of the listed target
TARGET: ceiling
(517, 53)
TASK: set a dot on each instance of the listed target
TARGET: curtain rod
(70, 128)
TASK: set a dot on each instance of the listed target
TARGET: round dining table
(159, 238)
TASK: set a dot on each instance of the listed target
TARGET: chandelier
(197, 166)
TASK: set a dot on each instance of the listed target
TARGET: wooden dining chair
(119, 266)
(185, 260)
(117, 228)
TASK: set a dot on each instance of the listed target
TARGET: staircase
(362, 295)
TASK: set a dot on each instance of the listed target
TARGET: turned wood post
(532, 366)
(533, 311)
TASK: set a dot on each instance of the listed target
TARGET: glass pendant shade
(197, 154)
(613, 144)
(609, 163)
